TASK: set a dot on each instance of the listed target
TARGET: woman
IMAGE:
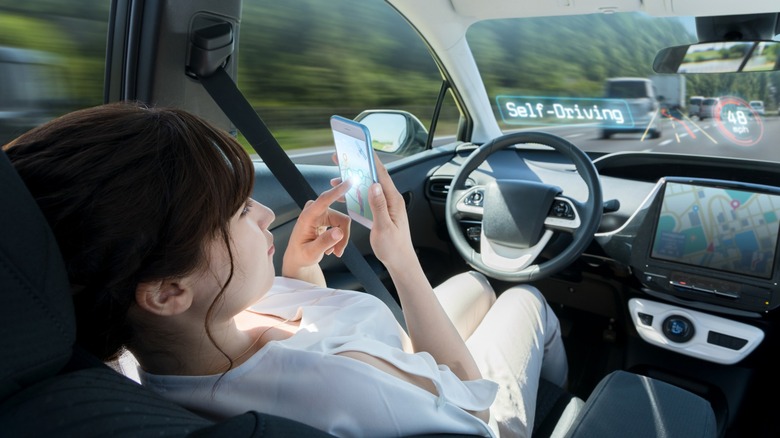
(170, 258)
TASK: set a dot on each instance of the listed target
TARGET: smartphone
(356, 163)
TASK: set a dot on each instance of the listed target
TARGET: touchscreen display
(718, 228)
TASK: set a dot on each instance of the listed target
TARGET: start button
(678, 328)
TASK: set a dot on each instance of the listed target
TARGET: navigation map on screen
(718, 228)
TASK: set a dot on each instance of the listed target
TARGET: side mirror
(394, 132)
(719, 57)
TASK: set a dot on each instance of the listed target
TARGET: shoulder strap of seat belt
(226, 94)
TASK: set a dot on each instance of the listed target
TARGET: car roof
(486, 9)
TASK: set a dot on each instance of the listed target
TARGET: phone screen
(356, 163)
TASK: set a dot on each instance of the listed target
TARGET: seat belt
(229, 98)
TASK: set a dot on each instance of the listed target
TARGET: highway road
(748, 138)
(754, 139)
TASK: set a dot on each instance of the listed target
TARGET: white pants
(515, 340)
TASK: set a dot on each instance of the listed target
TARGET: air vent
(438, 188)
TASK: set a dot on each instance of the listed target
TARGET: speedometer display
(738, 121)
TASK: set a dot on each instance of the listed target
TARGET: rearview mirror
(719, 57)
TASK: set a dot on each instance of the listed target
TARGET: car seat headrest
(37, 320)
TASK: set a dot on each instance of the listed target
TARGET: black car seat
(48, 385)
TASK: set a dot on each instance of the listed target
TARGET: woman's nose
(266, 216)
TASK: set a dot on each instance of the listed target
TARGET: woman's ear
(164, 298)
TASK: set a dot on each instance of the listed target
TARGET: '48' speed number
(738, 122)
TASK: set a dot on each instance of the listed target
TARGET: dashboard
(701, 229)
(702, 243)
(699, 234)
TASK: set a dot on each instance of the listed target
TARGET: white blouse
(303, 377)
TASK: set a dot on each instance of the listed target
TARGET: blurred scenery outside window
(51, 60)
(300, 62)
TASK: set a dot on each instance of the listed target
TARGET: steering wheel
(519, 217)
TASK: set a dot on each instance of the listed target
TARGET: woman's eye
(247, 207)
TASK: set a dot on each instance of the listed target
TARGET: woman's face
(253, 268)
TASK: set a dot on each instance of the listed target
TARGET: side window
(302, 61)
(51, 60)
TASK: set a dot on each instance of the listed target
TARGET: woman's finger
(335, 182)
(328, 242)
(343, 222)
(383, 176)
(332, 195)
(378, 204)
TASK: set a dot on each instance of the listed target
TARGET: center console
(703, 244)
(627, 404)
(711, 241)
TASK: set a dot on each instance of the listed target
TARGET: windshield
(602, 93)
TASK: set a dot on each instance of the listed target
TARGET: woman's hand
(390, 236)
(318, 231)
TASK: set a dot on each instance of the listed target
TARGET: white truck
(670, 91)
(638, 96)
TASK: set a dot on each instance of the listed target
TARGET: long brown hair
(133, 194)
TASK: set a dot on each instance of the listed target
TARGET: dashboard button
(678, 328)
(475, 198)
(725, 341)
